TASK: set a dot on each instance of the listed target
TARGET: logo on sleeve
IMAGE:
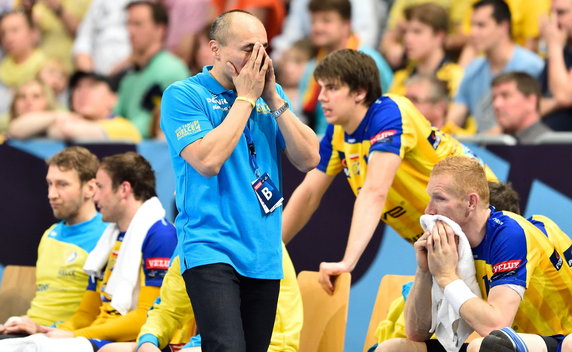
(382, 137)
(556, 260)
(506, 267)
(157, 263)
(568, 256)
(434, 140)
(188, 129)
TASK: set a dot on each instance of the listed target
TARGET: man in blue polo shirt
(225, 128)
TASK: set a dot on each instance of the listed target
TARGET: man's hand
(269, 94)
(18, 325)
(442, 254)
(148, 347)
(328, 272)
(553, 35)
(421, 252)
(249, 82)
(56, 333)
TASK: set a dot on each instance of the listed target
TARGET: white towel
(123, 284)
(450, 328)
(99, 255)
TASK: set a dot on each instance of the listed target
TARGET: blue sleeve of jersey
(509, 256)
(386, 126)
(158, 248)
(326, 148)
(184, 117)
(539, 225)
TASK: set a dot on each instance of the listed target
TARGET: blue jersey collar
(209, 82)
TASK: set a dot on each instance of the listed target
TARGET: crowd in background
(96, 69)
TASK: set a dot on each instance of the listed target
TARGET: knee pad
(503, 340)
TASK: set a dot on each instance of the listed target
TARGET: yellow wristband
(247, 100)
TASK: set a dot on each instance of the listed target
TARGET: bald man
(226, 128)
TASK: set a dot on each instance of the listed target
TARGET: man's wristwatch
(276, 113)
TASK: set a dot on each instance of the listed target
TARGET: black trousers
(233, 313)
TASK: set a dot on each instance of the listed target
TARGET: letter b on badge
(268, 195)
(266, 192)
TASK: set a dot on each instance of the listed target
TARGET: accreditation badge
(267, 193)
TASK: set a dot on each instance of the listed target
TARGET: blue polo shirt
(220, 218)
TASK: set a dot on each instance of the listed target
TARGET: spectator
(19, 38)
(331, 31)
(58, 21)
(30, 97)
(102, 41)
(368, 19)
(516, 100)
(54, 75)
(490, 33)
(153, 68)
(426, 30)
(186, 19)
(126, 267)
(92, 102)
(392, 46)
(65, 245)
(516, 267)
(430, 97)
(201, 52)
(556, 80)
(290, 70)
(525, 25)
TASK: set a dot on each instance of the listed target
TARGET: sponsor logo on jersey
(66, 273)
(188, 129)
(157, 263)
(434, 140)
(71, 257)
(498, 221)
(263, 109)
(509, 265)
(218, 103)
(394, 213)
(382, 137)
(556, 260)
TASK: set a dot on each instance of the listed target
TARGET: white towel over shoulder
(123, 284)
(450, 328)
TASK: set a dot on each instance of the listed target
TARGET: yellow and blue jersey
(171, 318)
(516, 252)
(561, 241)
(157, 249)
(392, 125)
(60, 278)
